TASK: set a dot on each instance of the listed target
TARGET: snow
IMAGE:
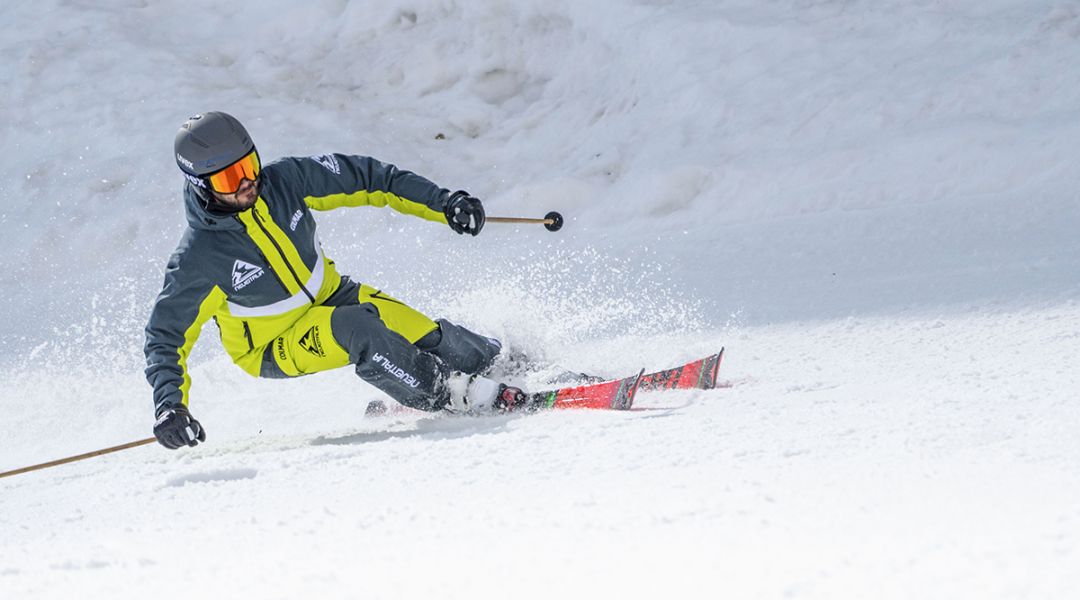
(871, 205)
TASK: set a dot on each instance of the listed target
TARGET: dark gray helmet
(209, 142)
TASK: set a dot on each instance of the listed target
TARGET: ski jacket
(257, 272)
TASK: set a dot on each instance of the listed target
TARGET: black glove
(175, 427)
(464, 213)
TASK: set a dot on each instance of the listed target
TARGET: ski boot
(473, 394)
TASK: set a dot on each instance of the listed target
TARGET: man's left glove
(464, 213)
(175, 427)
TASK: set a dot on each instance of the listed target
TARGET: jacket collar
(198, 217)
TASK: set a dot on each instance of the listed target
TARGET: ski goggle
(227, 180)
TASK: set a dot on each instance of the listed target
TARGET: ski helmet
(208, 143)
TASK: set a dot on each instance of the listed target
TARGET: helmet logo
(198, 181)
(187, 163)
(221, 160)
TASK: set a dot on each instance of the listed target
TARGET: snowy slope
(872, 205)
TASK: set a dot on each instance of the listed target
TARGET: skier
(251, 260)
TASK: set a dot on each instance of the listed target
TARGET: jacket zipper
(247, 334)
(281, 253)
(277, 277)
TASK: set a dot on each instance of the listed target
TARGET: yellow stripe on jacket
(376, 199)
(210, 305)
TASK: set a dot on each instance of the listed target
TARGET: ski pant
(394, 347)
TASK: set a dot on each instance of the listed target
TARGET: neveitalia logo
(395, 370)
(244, 273)
(329, 161)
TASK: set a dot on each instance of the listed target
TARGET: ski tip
(710, 370)
(624, 397)
(633, 390)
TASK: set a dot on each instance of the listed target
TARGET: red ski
(699, 374)
(613, 395)
(617, 395)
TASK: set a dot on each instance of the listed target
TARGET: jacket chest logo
(243, 273)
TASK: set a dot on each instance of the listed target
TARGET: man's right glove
(175, 427)
(464, 213)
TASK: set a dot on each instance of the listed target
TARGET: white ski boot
(478, 395)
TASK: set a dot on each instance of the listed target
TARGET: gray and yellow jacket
(258, 271)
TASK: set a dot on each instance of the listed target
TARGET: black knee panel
(463, 350)
(387, 360)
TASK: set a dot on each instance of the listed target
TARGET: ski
(615, 395)
(699, 374)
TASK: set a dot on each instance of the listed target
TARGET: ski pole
(552, 221)
(70, 459)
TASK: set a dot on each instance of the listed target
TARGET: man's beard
(219, 208)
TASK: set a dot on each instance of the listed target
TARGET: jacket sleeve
(185, 304)
(335, 180)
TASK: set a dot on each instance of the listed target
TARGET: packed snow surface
(871, 204)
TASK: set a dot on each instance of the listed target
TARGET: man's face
(244, 197)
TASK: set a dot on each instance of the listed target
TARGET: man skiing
(251, 260)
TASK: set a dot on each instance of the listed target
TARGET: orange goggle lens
(227, 180)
